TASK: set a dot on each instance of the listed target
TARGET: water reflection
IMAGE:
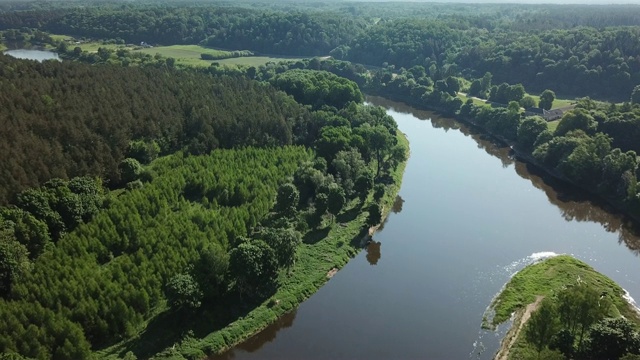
(574, 204)
(373, 252)
(396, 208)
(256, 342)
(578, 205)
(397, 205)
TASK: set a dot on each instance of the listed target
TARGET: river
(468, 216)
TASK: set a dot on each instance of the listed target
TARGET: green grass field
(252, 60)
(553, 125)
(557, 103)
(186, 55)
(475, 101)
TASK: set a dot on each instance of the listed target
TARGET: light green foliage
(129, 251)
(514, 106)
(26, 229)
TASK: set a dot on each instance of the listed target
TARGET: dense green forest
(574, 50)
(213, 182)
(133, 187)
(165, 108)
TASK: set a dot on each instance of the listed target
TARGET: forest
(139, 190)
(575, 50)
(133, 187)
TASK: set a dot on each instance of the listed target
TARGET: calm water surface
(38, 55)
(467, 218)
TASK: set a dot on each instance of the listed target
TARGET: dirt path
(520, 319)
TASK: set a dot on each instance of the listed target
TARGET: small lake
(468, 217)
(38, 55)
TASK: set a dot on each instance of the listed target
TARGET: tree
(486, 82)
(635, 95)
(322, 203)
(378, 191)
(375, 215)
(576, 119)
(611, 338)
(347, 166)
(130, 170)
(287, 199)
(284, 242)
(381, 141)
(335, 199)
(183, 290)
(453, 85)
(529, 130)
(254, 266)
(364, 183)
(475, 89)
(528, 102)
(14, 261)
(211, 269)
(26, 229)
(513, 107)
(542, 325)
(579, 307)
(546, 99)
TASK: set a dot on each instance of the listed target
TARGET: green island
(563, 308)
(165, 198)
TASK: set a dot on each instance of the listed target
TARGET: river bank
(317, 261)
(520, 153)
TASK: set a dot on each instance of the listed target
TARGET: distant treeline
(226, 55)
(574, 50)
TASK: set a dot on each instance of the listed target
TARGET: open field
(475, 101)
(557, 103)
(553, 125)
(186, 55)
(252, 60)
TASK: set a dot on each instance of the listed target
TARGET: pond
(39, 55)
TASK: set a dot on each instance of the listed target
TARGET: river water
(468, 216)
